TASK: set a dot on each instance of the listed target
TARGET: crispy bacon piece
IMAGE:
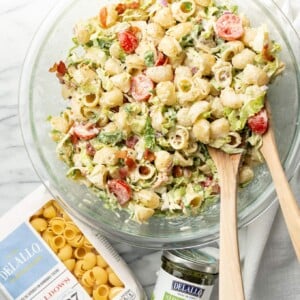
(90, 150)
(132, 141)
(121, 7)
(130, 163)
(177, 171)
(266, 53)
(149, 155)
(59, 68)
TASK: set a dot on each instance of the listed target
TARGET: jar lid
(194, 259)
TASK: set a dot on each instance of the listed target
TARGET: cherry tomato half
(141, 87)
(259, 122)
(128, 41)
(120, 189)
(229, 27)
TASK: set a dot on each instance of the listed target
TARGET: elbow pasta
(152, 88)
(84, 262)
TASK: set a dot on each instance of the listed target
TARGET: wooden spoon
(230, 279)
(287, 201)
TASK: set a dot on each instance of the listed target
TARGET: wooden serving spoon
(287, 201)
(230, 278)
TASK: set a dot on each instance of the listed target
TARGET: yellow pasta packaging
(45, 254)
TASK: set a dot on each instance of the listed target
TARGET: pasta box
(45, 255)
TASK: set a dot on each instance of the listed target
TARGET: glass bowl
(40, 96)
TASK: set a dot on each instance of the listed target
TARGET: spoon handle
(230, 278)
(287, 200)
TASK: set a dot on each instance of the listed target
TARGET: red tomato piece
(259, 122)
(128, 41)
(103, 17)
(161, 59)
(130, 163)
(141, 87)
(85, 132)
(229, 27)
(120, 189)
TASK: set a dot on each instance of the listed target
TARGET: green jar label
(168, 287)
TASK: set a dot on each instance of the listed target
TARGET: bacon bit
(123, 172)
(115, 109)
(215, 189)
(53, 68)
(133, 5)
(266, 54)
(130, 163)
(74, 139)
(132, 141)
(121, 7)
(177, 171)
(103, 17)
(121, 154)
(206, 183)
(149, 155)
(60, 68)
(90, 150)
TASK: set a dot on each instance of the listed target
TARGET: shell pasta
(76, 252)
(148, 86)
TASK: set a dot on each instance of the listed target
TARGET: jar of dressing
(186, 274)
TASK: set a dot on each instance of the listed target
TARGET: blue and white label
(24, 259)
(187, 288)
(169, 287)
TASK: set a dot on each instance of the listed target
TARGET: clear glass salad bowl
(40, 96)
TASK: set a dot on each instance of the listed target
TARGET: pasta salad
(149, 85)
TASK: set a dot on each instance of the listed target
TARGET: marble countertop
(19, 20)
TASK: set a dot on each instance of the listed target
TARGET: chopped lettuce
(110, 138)
(149, 135)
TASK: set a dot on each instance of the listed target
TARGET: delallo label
(28, 270)
(169, 287)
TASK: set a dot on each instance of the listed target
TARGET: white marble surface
(19, 19)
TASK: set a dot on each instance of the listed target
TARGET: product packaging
(45, 255)
(187, 274)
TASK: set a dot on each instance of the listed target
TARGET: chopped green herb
(149, 59)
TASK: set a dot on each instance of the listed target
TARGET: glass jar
(186, 274)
